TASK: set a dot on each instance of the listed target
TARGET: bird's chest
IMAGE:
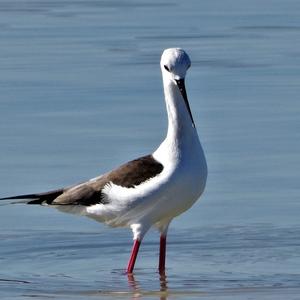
(186, 184)
(188, 179)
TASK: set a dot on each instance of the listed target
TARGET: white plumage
(151, 190)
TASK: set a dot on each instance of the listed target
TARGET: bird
(149, 191)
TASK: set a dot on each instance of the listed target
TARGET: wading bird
(150, 190)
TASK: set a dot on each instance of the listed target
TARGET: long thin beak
(181, 86)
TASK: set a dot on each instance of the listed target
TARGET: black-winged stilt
(153, 189)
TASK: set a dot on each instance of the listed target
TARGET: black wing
(88, 193)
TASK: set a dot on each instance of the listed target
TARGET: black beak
(181, 86)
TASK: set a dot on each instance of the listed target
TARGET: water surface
(81, 93)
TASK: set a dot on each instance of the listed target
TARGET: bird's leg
(162, 253)
(134, 252)
(162, 247)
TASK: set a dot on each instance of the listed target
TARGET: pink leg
(162, 253)
(134, 252)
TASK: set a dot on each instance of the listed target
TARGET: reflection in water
(135, 286)
(163, 282)
(62, 102)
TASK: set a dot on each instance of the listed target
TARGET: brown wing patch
(128, 175)
(82, 194)
(135, 172)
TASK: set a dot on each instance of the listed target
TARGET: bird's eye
(166, 68)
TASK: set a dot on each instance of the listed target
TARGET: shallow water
(226, 261)
(81, 93)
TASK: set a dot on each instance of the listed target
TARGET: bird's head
(174, 64)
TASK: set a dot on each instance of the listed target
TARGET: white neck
(182, 135)
(180, 126)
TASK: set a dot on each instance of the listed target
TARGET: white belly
(163, 197)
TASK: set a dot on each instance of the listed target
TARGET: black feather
(40, 198)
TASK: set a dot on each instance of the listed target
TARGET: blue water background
(81, 93)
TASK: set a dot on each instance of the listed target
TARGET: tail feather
(41, 198)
